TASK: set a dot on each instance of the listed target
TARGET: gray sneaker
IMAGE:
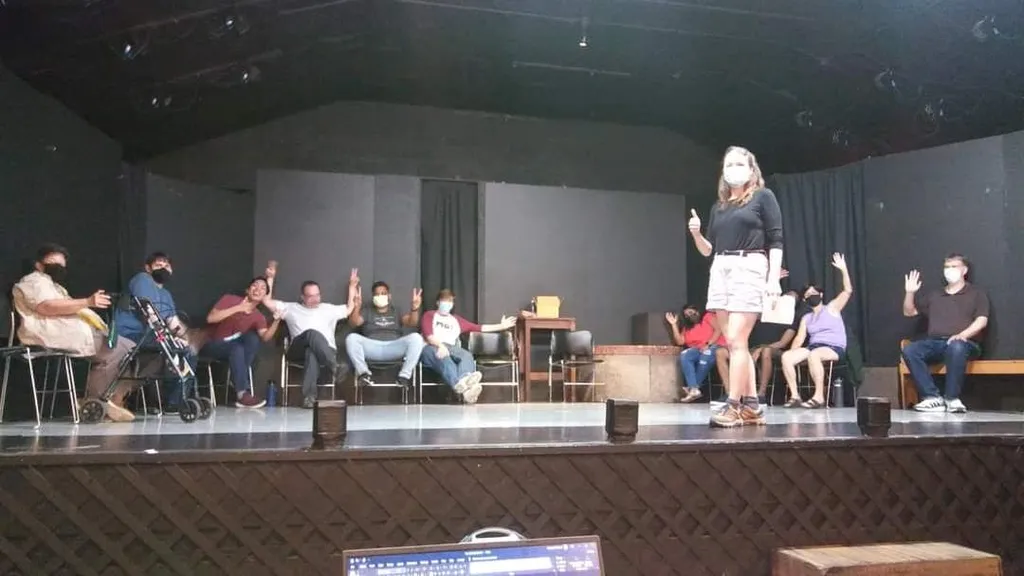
(309, 402)
(955, 406)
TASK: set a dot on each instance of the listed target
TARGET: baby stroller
(175, 353)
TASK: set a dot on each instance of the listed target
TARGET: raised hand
(100, 300)
(417, 298)
(271, 271)
(353, 277)
(694, 224)
(672, 318)
(357, 300)
(783, 273)
(507, 322)
(839, 261)
(912, 282)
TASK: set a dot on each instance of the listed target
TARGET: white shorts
(737, 282)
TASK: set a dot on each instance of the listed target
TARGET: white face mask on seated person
(381, 300)
(952, 275)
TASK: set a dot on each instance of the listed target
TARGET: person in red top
(700, 337)
(236, 329)
(443, 354)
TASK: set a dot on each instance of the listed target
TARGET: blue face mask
(445, 306)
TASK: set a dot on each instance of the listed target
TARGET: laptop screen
(574, 555)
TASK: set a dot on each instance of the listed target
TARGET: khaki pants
(104, 368)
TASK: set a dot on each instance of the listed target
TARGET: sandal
(812, 404)
(792, 403)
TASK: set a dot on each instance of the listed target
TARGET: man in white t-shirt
(311, 325)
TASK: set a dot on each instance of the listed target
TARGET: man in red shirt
(700, 337)
(236, 329)
(443, 354)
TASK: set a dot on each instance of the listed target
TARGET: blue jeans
(240, 353)
(407, 348)
(452, 367)
(696, 365)
(920, 354)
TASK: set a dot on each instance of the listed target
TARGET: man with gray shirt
(386, 335)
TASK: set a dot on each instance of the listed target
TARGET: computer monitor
(577, 555)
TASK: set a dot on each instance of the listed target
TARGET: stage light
(330, 423)
(874, 416)
(985, 29)
(621, 419)
(804, 119)
(840, 138)
(886, 81)
(584, 42)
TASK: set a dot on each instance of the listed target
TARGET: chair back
(491, 344)
(566, 344)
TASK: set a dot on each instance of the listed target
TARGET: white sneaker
(470, 396)
(955, 406)
(463, 384)
(933, 404)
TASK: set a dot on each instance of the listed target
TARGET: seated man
(768, 341)
(236, 330)
(312, 325)
(53, 319)
(443, 354)
(700, 337)
(384, 333)
(957, 316)
(150, 285)
(824, 331)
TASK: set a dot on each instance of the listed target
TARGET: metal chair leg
(3, 388)
(35, 390)
(69, 370)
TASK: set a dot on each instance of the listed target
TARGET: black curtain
(823, 213)
(449, 243)
(131, 223)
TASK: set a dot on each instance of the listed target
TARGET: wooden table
(524, 330)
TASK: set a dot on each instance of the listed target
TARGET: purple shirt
(827, 328)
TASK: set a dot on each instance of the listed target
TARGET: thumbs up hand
(694, 222)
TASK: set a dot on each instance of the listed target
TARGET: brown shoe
(736, 416)
(247, 400)
(118, 414)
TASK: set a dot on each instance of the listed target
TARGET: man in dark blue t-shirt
(150, 284)
(386, 335)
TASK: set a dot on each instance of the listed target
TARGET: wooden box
(911, 559)
(547, 306)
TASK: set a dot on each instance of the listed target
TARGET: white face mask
(952, 275)
(736, 176)
(381, 300)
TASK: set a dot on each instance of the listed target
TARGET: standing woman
(744, 234)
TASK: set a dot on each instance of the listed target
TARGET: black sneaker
(364, 380)
(169, 409)
(404, 382)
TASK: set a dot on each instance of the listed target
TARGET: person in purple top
(824, 333)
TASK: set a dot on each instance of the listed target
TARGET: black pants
(312, 348)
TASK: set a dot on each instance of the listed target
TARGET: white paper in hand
(783, 313)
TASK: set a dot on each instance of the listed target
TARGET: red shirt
(237, 323)
(699, 335)
(446, 327)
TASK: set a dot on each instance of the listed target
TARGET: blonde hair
(755, 183)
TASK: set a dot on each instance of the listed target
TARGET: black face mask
(813, 300)
(161, 275)
(55, 271)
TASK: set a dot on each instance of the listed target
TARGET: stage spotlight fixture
(804, 119)
(874, 416)
(840, 138)
(330, 423)
(621, 419)
(934, 112)
(584, 24)
(886, 81)
(985, 29)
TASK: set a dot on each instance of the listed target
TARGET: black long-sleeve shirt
(756, 225)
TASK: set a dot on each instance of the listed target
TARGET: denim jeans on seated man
(406, 348)
(240, 353)
(453, 368)
(695, 364)
(921, 354)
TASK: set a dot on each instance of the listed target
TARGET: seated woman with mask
(700, 337)
(824, 332)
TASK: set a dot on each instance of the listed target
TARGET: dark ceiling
(806, 83)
